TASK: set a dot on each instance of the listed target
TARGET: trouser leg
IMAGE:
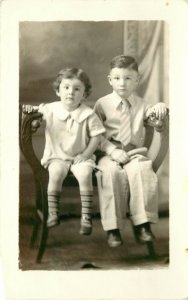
(113, 192)
(143, 184)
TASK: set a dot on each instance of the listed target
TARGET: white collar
(116, 99)
(79, 114)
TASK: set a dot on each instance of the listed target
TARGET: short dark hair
(73, 73)
(123, 61)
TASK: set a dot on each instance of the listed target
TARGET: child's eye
(77, 89)
(117, 78)
(66, 87)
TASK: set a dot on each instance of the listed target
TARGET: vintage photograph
(94, 145)
(93, 156)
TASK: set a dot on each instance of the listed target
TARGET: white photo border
(138, 284)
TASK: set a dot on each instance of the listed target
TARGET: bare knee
(84, 177)
(57, 174)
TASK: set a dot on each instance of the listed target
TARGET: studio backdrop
(47, 47)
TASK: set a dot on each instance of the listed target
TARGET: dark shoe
(143, 233)
(114, 238)
(86, 225)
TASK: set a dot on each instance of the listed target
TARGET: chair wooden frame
(28, 124)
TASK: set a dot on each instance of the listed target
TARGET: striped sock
(87, 203)
(53, 208)
(53, 202)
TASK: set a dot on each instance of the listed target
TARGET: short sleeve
(95, 126)
(99, 111)
(44, 110)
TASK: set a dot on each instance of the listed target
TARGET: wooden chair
(28, 124)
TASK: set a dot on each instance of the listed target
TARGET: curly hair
(73, 73)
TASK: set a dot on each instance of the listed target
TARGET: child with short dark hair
(122, 113)
(72, 135)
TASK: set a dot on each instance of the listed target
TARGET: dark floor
(67, 250)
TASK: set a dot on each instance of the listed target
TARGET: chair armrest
(28, 124)
(162, 127)
(158, 125)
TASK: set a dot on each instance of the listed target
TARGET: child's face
(123, 81)
(72, 93)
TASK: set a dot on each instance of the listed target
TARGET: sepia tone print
(45, 48)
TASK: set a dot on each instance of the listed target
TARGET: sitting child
(72, 135)
(122, 113)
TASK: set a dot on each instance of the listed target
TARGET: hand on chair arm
(27, 108)
(88, 152)
(28, 111)
(159, 110)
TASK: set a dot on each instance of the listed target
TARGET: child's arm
(88, 152)
(159, 109)
(105, 145)
(110, 149)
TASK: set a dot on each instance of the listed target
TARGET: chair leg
(43, 242)
(38, 198)
(151, 250)
(44, 232)
(36, 226)
(37, 220)
(150, 245)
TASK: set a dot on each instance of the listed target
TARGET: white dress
(68, 133)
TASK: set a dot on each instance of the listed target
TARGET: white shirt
(68, 133)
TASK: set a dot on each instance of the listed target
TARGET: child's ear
(109, 79)
(57, 93)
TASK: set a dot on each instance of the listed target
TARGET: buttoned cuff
(96, 131)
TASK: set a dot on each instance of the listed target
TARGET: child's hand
(120, 156)
(79, 158)
(27, 109)
(160, 110)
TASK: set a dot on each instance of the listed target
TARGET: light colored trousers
(132, 188)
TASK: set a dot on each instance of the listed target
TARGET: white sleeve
(95, 125)
(43, 109)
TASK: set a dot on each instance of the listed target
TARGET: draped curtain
(147, 42)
